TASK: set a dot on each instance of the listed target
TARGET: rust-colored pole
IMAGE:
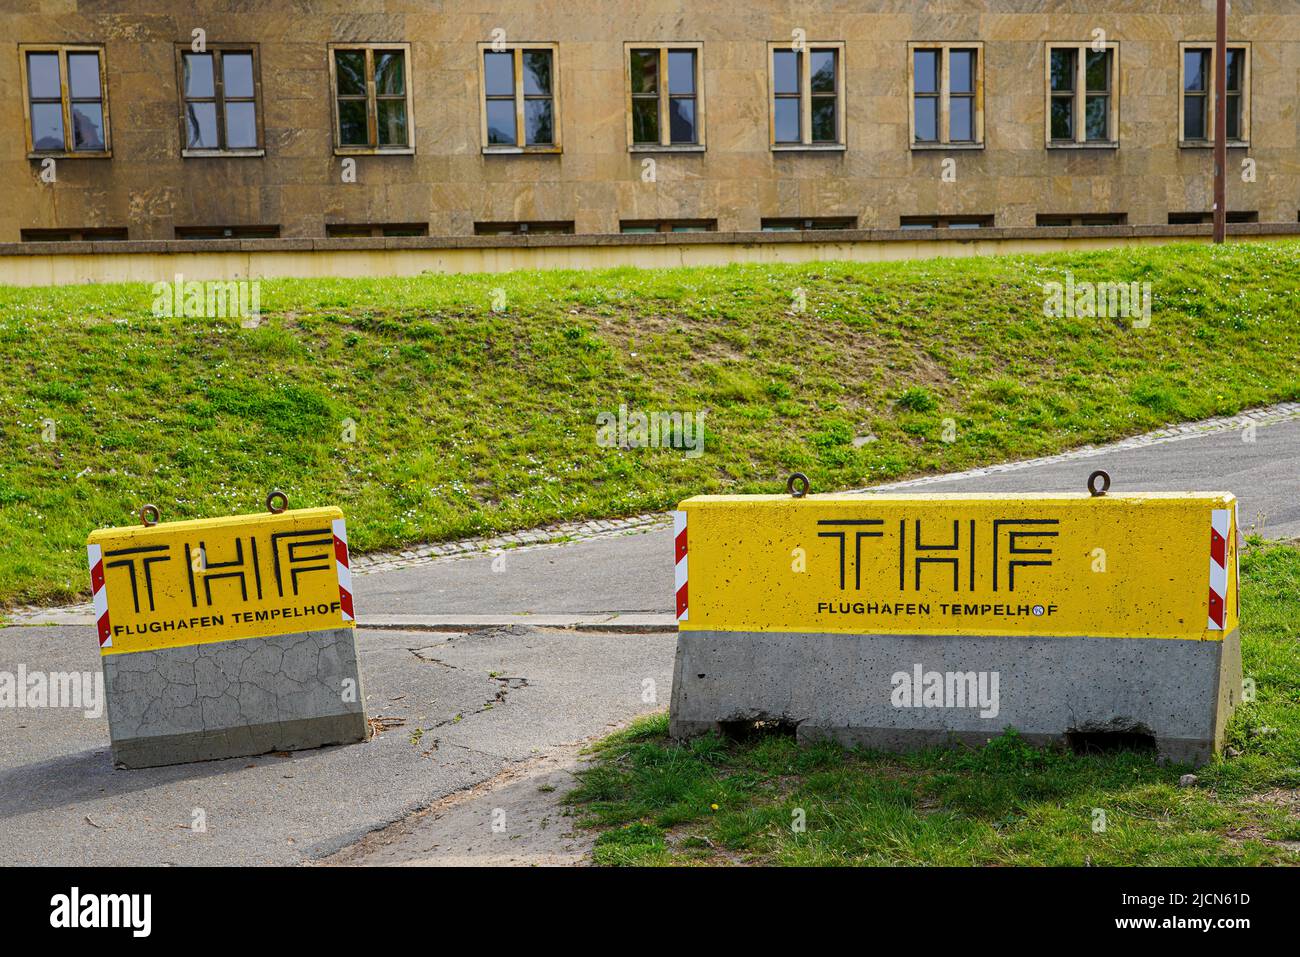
(1221, 123)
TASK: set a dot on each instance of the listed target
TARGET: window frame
(65, 97)
(1080, 96)
(517, 48)
(372, 100)
(806, 142)
(664, 96)
(217, 50)
(944, 96)
(1242, 142)
(920, 223)
(653, 227)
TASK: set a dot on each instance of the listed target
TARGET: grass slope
(716, 802)
(470, 421)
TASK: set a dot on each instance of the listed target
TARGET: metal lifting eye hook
(801, 479)
(276, 494)
(149, 515)
(1092, 483)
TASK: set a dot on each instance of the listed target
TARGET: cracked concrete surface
(232, 698)
(61, 801)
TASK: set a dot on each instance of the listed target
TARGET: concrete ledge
(839, 687)
(242, 741)
(37, 264)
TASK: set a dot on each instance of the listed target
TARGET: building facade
(389, 118)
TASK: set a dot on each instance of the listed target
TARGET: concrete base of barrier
(226, 699)
(849, 688)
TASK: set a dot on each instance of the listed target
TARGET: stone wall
(596, 181)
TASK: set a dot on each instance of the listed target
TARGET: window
(227, 232)
(66, 102)
(945, 222)
(664, 107)
(1194, 219)
(91, 234)
(366, 230)
(1082, 94)
(371, 84)
(807, 102)
(521, 112)
(1082, 219)
(822, 222)
(520, 229)
(667, 225)
(1197, 109)
(947, 86)
(220, 94)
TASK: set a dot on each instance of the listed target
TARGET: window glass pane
(823, 119)
(787, 121)
(501, 122)
(499, 73)
(201, 126)
(681, 120)
(47, 126)
(198, 75)
(1098, 71)
(961, 66)
(540, 122)
(1195, 70)
(681, 71)
(1194, 121)
(1236, 63)
(392, 122)
(645, 71)
(352, 123)
(237, 74)
(83, 76)
(785, 71)
(43, 77)
(926, 71)
(87, 126)
(961, 119)
(241, 126)
(822, 65)
(1233, 118)
(927, 119)
(390, 76)
(1097, 118)
(1063, 70)
(645, 120)
(537, 72)
(1062, 118)
(350, 68)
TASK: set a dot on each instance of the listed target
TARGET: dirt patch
(517, 818)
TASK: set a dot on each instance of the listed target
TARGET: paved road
(61, 802)
(634, 573)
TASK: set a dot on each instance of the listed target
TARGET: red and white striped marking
(1220, 525)
(344, 570)
(679, 540)
(100, 599)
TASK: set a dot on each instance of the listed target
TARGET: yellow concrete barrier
(1083, 613)
(227, 636)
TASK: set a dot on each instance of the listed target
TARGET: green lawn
(713, 801)
(470, 421)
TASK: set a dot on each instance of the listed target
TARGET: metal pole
(1221, 123)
